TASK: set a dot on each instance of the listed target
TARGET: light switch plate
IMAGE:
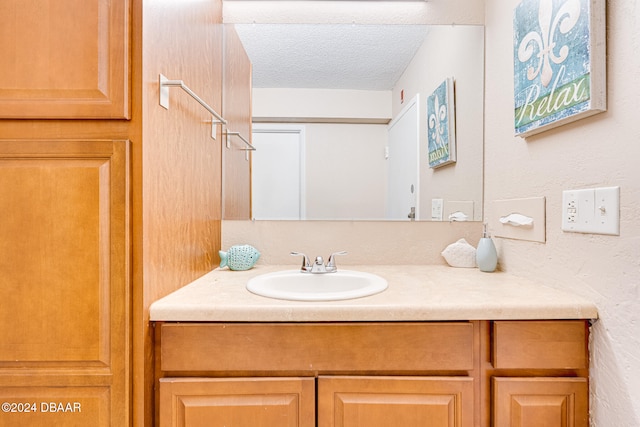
(436, 209)
(591, 210)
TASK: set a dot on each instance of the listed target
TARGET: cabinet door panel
(237, 402)
(317, 347)
(64, 280)
(534, 402)
(64, 59)
(395, 401)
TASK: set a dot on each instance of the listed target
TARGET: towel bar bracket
(249, 146)
(165, 84)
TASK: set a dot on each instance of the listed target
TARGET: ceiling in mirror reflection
(330, 56)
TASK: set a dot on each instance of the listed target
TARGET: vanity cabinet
(372, 374)
(366, 374)
(540, 373)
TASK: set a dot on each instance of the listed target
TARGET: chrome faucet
(318, 266)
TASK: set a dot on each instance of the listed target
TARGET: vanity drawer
(552, 344)
(317, 347)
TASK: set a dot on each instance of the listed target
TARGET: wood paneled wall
(177, 174)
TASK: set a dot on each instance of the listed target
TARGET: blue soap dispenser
(486, 254)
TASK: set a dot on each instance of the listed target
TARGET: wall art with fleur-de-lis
(441, 125)
(559, 53)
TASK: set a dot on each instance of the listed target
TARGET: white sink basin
(297, 286)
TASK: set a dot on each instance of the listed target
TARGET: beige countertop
(415, 293)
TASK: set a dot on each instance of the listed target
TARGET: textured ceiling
(330, 56)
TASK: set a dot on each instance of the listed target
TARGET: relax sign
(559, 68)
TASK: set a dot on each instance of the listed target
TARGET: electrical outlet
(593, 210)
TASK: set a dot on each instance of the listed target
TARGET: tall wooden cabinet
(65, 196)
(109, 200)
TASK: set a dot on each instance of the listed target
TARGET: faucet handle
(331, 263)
(305, 260)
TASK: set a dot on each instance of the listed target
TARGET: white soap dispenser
(486, 255)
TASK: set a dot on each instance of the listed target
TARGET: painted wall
(321, 103)
(345, 167)
(599, 151)
(346, 171)
(367, 242)
(455, 51)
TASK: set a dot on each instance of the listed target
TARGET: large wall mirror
(340, 121)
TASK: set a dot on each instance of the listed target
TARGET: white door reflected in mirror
(403, 189)
(277, 173)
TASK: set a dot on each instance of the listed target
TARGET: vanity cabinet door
(395, 401)
(550, 402)
(237, 402)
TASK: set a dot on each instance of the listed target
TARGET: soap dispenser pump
(486, 255)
